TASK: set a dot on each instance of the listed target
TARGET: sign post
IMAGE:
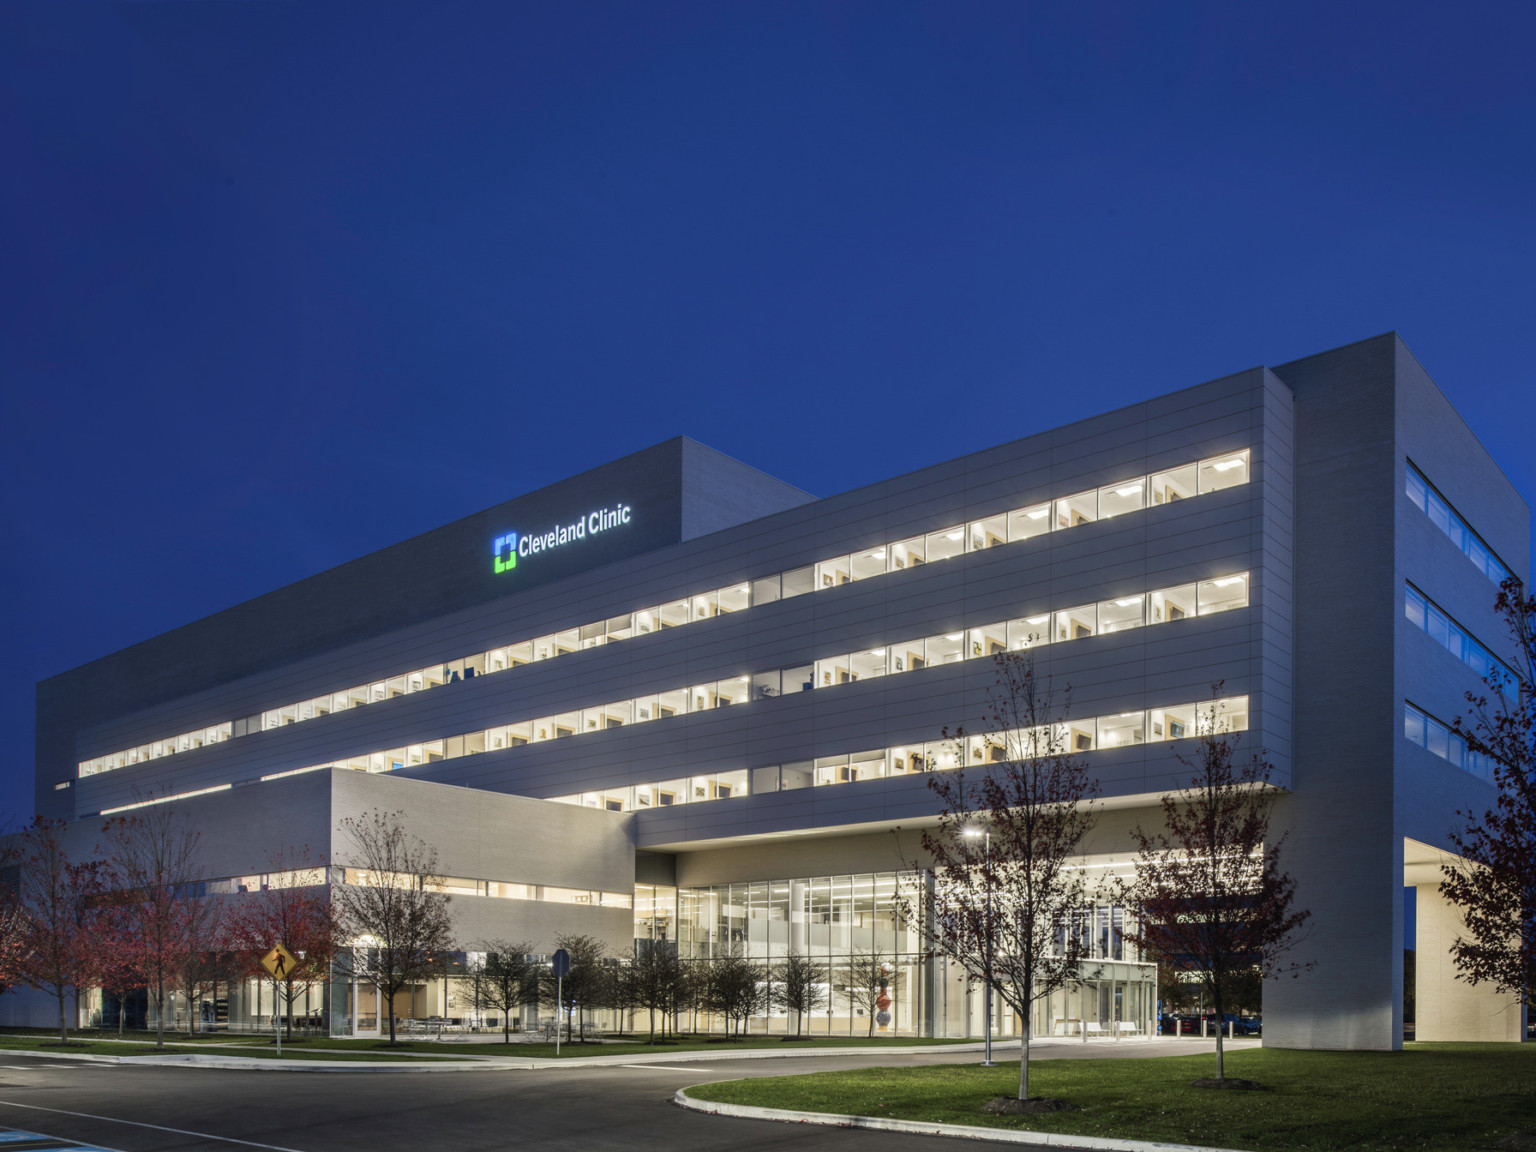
(279, 964)
(561, 964)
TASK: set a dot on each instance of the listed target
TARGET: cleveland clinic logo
(508, 549)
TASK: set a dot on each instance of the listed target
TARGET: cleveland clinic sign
(507, 550)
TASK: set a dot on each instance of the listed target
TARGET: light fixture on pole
(986, 834)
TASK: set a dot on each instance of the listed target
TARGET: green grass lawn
(1431, 1096)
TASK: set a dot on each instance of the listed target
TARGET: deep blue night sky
(282, 283)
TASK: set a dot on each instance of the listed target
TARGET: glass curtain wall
(833, 920)
(840, 922)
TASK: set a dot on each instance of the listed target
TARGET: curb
(741, 1054)
(931, 1128)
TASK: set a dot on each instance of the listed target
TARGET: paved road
(140, 1109)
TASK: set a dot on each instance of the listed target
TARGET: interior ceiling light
(954, 635)
(1128, 490)
(1128, 601)
(953, 535)
(1235, 462)
(1038, 514)
(1228, 581)
(1036, 619)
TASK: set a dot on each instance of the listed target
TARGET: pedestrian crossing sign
(279, 963)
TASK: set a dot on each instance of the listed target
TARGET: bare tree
(1209, 896)
(393, 906)
(651, 979)
(798, 984)
(61, 939)
(510, 979)
(1001, 853)
(584, 986)
(201, 961)
(869, 974)
(735, 989)
(688, 992)
(153, 856)
(1494, 882)
(472, 990)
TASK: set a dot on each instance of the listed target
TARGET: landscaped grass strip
(1452, 1097)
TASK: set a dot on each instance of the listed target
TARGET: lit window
(1223, 472)
(1118, 499)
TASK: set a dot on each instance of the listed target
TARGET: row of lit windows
(1424, 730)
(1117, 731)
(1127, 612)
(1021, 524)
(451, 885)
(1455, 639)
(1450, 522)
(497, 889)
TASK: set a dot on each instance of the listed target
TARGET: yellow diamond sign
(279, 963)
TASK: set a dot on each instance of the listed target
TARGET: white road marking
(140, 1124)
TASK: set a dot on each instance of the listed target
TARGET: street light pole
(986, 834)
(987, 852)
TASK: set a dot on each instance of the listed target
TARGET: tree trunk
(389, 1006)
(1216, 997)
(160, 1014)
(122, 1011)
(63, 1023)
(1024, 1061)
(653, 1024)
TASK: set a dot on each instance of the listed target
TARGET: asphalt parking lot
(158, 1109)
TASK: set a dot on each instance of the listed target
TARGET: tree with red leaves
(201, 958)
(1000, 856)
(13, 932)
(292, 908)
(118, 973)
(1209, 896)
(1494, 882)
(60, 907)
